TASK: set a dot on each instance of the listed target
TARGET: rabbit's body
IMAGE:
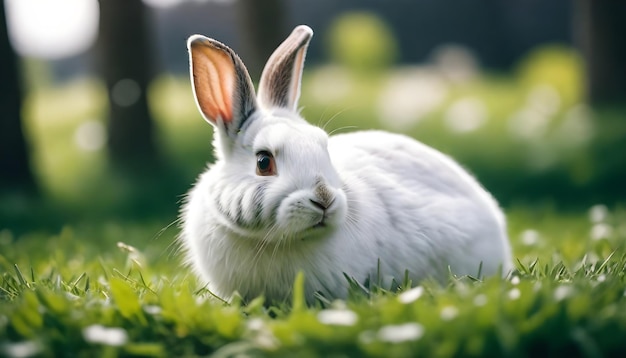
(370, 205)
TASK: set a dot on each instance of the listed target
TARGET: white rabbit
(284, 197)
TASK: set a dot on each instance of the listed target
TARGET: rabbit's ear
(280, 81)
(221, 84)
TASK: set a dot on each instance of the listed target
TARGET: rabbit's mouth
(318, 230)
(320, 224)
(322, 221)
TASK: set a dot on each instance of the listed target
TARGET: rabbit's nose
(318, 204)
(322, 203)
(323, 194)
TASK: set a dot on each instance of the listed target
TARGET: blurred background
(98, 121)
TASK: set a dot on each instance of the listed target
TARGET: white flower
(255, 324)
(598, 213)
(480, 300)
(562, 292)
(601, 231)
(110, 336)
(262, 335)
(21, 349)
(448, 313)
(514, 294)
(529, 237)
(411, 295)
(337, 317)
(401, 333)
(152, 309)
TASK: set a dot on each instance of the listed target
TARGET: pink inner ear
(214, 82)
(295, 77)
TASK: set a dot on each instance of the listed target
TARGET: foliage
(526, 137)
(557, 66)
(74, 294)
(361, 41)
(521, 136)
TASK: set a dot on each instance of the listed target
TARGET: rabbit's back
(420, 203)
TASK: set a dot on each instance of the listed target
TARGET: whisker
(259, 248)
(336, 115)
(341, 128)
(276, 246)
(319, 121)
(263, 243)
(161, 231)
(172, 248)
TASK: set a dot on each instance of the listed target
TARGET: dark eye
(265, 164)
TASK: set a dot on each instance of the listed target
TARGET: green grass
(119, 289)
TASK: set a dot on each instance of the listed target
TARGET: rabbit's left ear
(280, 80)
(221, 85)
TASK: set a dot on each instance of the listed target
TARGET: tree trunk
(15, 171)
(125, 57)
(599, 28)
(264, 28)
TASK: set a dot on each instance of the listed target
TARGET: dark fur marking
(324, 195)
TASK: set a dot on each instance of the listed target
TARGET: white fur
(397, 205)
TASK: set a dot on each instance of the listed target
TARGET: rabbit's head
(273, 177)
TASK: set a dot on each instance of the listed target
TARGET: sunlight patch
(125, 92)
(90, 136)
(531, 122)
(528, 123)
(480, 300)
(456, 62)
(330, 84)
(52, 29)
(466, 115)
(21, 349)
(577, 126)
(409, 95)
(163, 3)
(544, 99)
(598, 213)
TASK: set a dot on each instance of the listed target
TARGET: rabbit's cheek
(295, 216)
(299, 215)
(336, 214)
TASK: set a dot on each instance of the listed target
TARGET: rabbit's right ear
(280, 80)
(221, 84)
